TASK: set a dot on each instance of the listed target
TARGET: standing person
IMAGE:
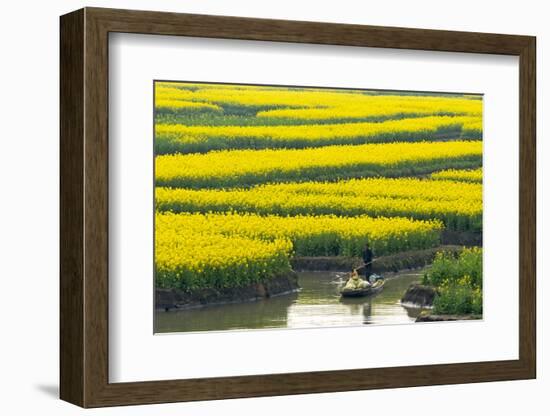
(367, 259)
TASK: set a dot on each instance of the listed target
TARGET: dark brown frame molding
(84, 208)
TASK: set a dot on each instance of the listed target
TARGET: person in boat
(355, 282)
(368, 257)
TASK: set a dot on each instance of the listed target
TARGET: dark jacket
(367, 255)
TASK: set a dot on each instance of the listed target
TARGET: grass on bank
(459, 282)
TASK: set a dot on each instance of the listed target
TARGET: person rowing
(368, 258)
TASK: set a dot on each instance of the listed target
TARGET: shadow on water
(318, 304)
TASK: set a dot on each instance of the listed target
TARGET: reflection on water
(317, 304)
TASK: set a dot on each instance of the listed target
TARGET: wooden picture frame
(84, 207)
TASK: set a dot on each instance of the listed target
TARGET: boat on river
(373, 289)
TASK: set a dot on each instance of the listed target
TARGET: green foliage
(458, 300)
(449, 268)
(459, 282)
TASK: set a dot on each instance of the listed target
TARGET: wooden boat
(375, 288)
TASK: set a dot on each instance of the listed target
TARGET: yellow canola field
(229, 249)
(248, 167)
(473, 126)
(171, 138)
(192, 260)
(414, 188)
(459, 205)
(351, 103)
(466, 175)
(188, 106)
(313, 132)
(317, 132)
(194, 86)
(167, 91)
(381, 107)
(334, 235)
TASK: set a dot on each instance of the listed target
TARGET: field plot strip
(249, 167)
(178, 138)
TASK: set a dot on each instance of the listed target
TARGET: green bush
(449, 267)
(459, 282)
(458, 299)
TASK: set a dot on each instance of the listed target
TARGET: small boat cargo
(373, 289)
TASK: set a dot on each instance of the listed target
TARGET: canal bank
(392, 263)
(169, 299)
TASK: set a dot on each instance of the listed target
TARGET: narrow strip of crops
(472, 127)
(380, 107)
(250, 167)
(349, 102)
(171, 106)
(464, 175)
(223, 118)
(415, 188)
(178, 138)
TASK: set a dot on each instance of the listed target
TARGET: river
(317, 304)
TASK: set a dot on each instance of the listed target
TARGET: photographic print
(300, 207)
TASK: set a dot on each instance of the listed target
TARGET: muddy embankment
(419, 296)
(176, 299)
(462, 238)
(427, 317)
(392, 263)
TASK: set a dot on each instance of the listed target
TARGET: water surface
(317, 304)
